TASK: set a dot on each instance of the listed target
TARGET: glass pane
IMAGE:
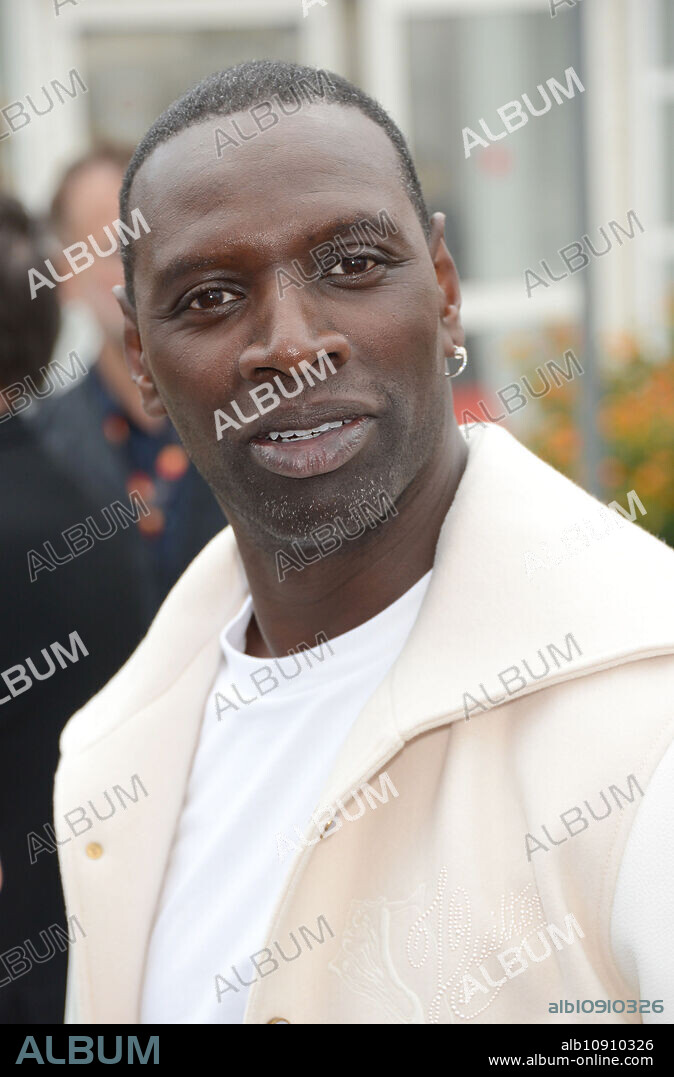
(134, 76)
(667, 24)
(513, 203)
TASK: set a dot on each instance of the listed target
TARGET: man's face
(213, 325)
(93, 202)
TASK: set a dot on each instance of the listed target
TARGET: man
(65, 629)
(372, 835)
(99, 430)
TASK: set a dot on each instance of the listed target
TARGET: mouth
(286, 436)
(304, 451)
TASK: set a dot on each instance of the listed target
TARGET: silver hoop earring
(459, 353)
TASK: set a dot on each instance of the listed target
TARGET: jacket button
(94, 850)
(278, 1021)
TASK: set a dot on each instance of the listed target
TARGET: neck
(360, 579)
(115, 376)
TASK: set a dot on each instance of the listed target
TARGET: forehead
(321, 163)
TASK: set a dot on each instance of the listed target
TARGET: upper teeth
(285, 435)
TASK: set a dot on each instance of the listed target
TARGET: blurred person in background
(99, 429)
(97, 595)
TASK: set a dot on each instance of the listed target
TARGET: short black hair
(28, 327)
(252, 83)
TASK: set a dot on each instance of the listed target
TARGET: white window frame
(502, 304)
(40, 46)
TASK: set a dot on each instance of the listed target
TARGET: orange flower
(622, 346)
(565, 443)
(650, 480)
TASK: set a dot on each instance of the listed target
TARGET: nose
(291, 334)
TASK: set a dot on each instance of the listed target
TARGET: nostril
(260, 362)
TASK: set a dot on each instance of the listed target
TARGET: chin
(295, 515)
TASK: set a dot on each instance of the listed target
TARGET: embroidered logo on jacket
(445, 942)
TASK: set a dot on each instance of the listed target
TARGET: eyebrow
(179, 267)
(176, 269)
(342, 224)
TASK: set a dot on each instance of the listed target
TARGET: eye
(350, 266)
(210, 298)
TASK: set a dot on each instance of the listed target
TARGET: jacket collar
(487, 622)
(611, 587)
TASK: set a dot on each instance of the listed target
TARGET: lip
(318, 456)
(307, 417)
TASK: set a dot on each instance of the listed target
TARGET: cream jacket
(528, 692)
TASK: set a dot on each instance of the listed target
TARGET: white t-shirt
(264, 755)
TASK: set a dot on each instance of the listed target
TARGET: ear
(449, 291)
(135, 359)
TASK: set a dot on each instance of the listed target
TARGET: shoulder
(556, 535)
(211, 589)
